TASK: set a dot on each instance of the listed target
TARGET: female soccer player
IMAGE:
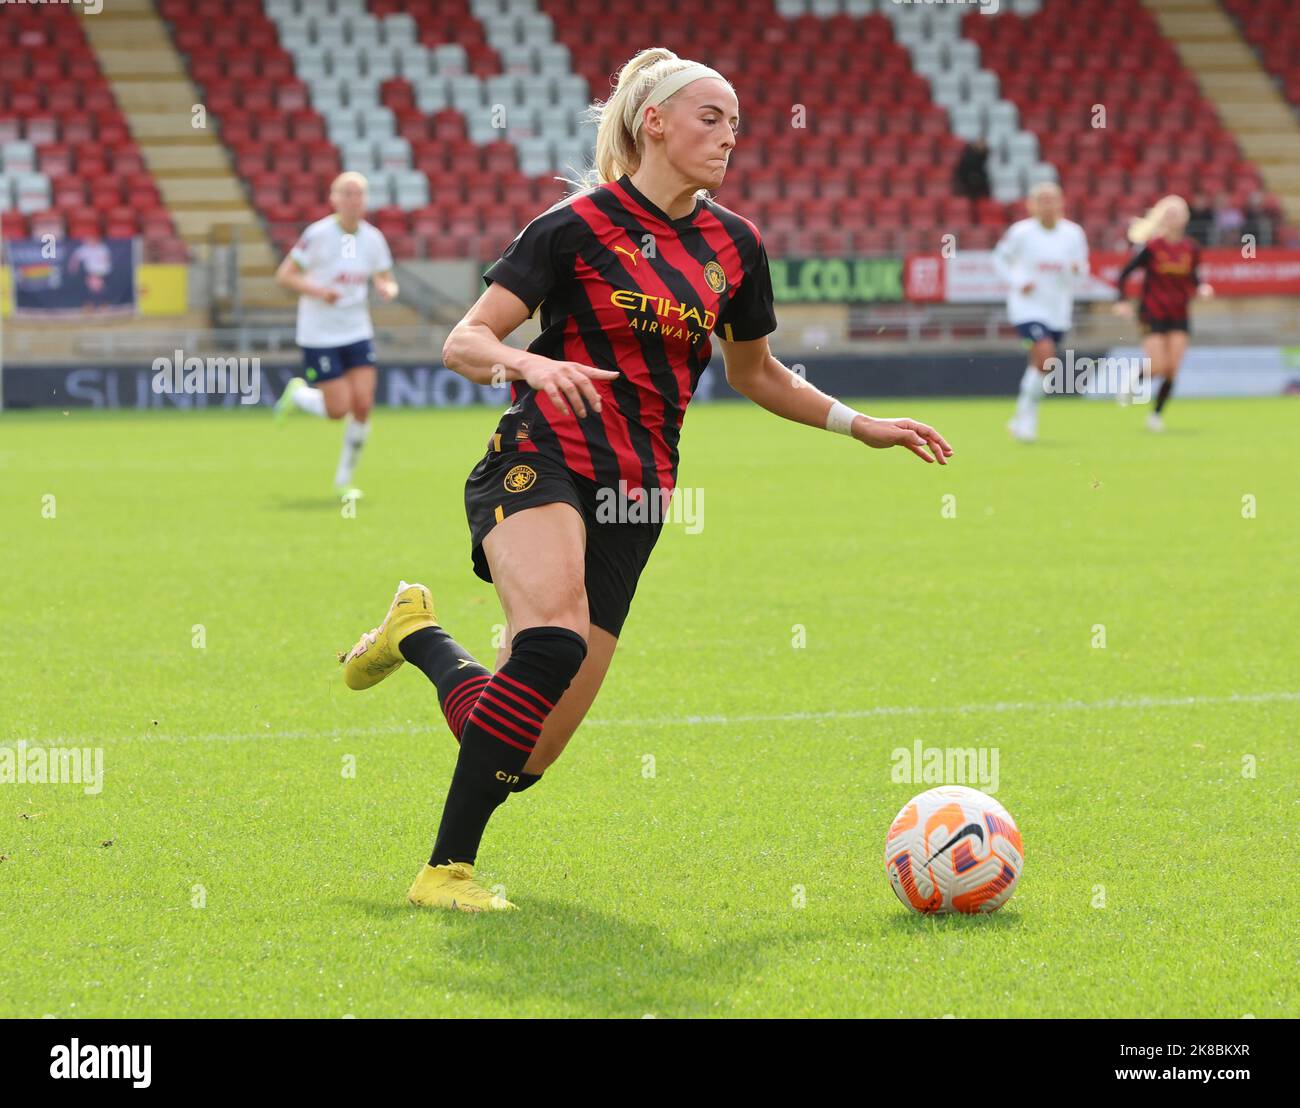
(330, 268)
(633, 274)
(1172, 261)
(1042, 258)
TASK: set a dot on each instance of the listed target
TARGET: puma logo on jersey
(461, 663)
(630, 253)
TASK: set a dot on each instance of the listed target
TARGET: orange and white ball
(953, 849)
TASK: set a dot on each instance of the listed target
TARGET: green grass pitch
(710, 843)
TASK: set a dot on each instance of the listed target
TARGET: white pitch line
(964, 709)
(435, 723)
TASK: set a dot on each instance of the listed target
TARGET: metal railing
(426, 298)
(222, 267)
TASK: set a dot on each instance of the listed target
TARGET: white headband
(664, 89)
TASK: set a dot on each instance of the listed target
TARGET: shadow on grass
(575, 960)
(957, 922)
(580, 961)
(376, 909)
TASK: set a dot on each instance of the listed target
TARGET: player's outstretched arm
(755, 373)
(1140, 260)
(476, 349)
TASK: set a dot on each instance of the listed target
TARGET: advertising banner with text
(968, 277)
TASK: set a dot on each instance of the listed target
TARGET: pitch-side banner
(180, 380)
(836, 280)
(969, 276)
(58, 277)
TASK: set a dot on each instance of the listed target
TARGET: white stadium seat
(31, 192)
(18, 157)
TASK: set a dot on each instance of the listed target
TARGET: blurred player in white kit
(1043, 259)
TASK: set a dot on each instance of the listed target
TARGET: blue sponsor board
(431, 385)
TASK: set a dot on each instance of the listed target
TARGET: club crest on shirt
(520, 478)
(715, 275)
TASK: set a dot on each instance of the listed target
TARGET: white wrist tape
(840, 418)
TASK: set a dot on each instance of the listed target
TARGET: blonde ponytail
(616, 147)
(1143, 229)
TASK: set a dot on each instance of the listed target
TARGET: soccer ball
(953, 849)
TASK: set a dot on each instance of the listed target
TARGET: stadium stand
(278, 143)
(1158, 133)
(844, 149)
(69, 165)
(971, 94)
(463, 113)
(1251, 105)
(392, 98)
(1272, 27)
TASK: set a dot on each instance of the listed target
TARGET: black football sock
(501, 731)
(458, 678)
(1166, 387)
(526, 781)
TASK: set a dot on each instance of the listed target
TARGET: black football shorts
(508, 481)
(1152, 326)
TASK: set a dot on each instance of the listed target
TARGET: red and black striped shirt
(624, 287)
(1171, 278)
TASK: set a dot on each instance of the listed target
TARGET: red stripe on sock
(529, 733)
(522, 718)
(458, 694)
(461, 702)
(457, 722)
(531, 692)
(492, 731)
(520, 707)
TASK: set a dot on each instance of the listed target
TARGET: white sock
(354, 438)
(1031, 388)
(311, 401)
